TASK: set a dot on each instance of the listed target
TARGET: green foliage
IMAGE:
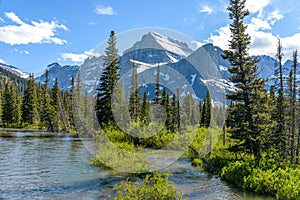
(30, 113)
(48, 113)
(281, 182)
(154, 187)
(11, 106)
(236, 172)
(248, 117)
(135, 98)
(145, 110)
(157, 86)
(206, 111)
(108, 81)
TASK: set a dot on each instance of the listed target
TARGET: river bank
(58, 168)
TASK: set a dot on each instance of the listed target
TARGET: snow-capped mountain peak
(154, 40)
(14, 70)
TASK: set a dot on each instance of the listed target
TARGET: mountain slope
(63, 73)
(8, 72)
(154, 48)
(14, 70)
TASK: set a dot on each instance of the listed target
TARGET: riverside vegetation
(259, 145)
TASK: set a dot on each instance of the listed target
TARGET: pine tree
(189, 116)
(135, 98)
(30, 102)
(294, 116)
(145, 109)
(70, 107)
(157, 86)
(55, 95)
(206, 111)
(108, 80)
(17, 110)
(280, 133)
(11, 106)
(165, 102)
(248, 119)
(48, 113)
(174, 113)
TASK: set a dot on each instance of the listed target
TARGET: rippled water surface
(39, 165)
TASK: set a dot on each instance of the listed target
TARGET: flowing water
(40, 165)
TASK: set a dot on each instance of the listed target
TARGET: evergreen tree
(165, 102)
(157, 86)
(30, 102)
(174, 113)
(70, 105)
(189, 116)
(18, 109)
(108, 80)
(200, 107)
(206, 111)
(55, 96)
(145, 109)
(248, 119)
(135, 99)
(280, 134)
(48, 113)
(11, 106)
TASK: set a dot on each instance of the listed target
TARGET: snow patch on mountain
(14, 70)
(154, 40)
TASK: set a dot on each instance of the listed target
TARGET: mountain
(16, 76)
(190, 71)
(63, 73)
(90, 72)
(155, 48)
(14, 70)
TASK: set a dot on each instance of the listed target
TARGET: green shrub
(282, 183)
(235, 172)
(154, 187)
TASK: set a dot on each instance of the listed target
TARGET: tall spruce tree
(157, 86)
(30, 113)
(280, 133)
(165, 102)
(55, 95)
(11, 114)
(206, 111)
(110, 77)
(48, 113)
(135, 98)
(145, 109)
(174, 113)
(248, 119)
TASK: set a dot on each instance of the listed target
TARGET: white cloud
(207, 9)
(1, 20)
(78, 58)
(13, 17)
(35, 32)
(263, 41)
(195, 44)
(2, 61)
(274, 17)
(105, 10)
(259, 24)
(254, 6)
(21, 51)
(221, 38)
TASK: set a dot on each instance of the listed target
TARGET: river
(39, 165)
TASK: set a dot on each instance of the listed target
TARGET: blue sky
(36, 33)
